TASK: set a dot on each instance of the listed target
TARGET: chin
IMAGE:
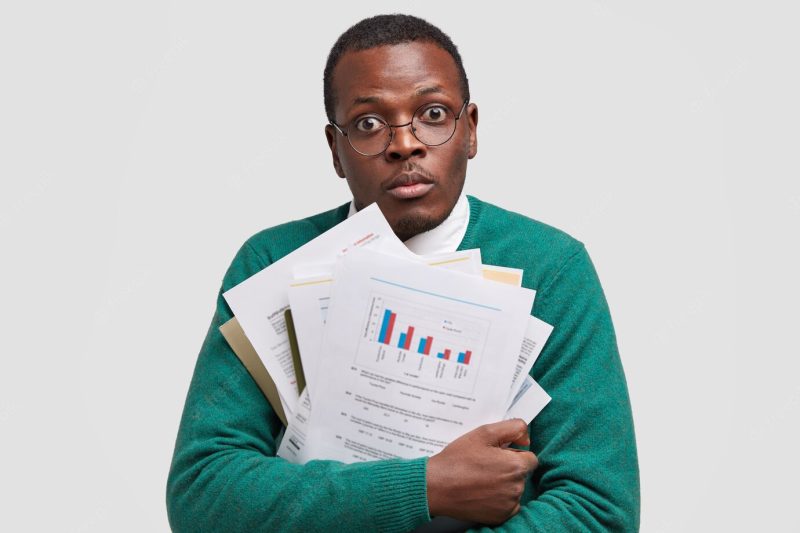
(412, 217)
(407, 226)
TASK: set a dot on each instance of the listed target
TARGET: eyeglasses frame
(393, 126)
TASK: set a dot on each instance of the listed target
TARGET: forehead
(394, 73)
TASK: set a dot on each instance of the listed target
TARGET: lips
(408, 185)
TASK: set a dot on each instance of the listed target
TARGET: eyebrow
(366, 100)
(428, 90)
(419, 92)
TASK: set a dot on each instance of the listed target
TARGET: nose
(404, 144)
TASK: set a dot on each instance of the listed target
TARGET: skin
(476, 477)
(393, 81)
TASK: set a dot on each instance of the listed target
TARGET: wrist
(432, 483)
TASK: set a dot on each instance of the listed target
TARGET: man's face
(416, 186)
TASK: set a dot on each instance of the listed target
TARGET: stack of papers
(368, 351)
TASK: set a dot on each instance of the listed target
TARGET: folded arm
(225, 476)
(588, 476)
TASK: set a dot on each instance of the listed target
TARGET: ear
(472, 120)
(332, 136)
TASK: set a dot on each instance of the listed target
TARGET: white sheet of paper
(293, 445)
(527, 398)
(536, 334)
(467, 261)
(529, 401)
(309, 299)
(259, 302)
(526, 404)
(381, 400)
(312, 298)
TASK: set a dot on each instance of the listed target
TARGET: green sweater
(225, 476)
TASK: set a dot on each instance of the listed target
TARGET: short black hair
(382, 30)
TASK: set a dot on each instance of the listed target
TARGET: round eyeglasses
(432, 124)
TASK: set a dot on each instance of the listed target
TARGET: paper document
(413, 358)
(526, 403)
(466, 261)
(260, 301)
(536, 334)
(529, 401)
(293, 445)
(527, 398)
(309, 298)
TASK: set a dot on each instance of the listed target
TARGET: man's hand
(476, 478)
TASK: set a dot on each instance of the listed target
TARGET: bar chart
(405, 338)
(420, 342)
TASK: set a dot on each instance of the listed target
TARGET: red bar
(388, 338)
(428, 343)
(409, 334)
(466, 357)
(447, 354)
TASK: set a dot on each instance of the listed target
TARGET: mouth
(409, 185)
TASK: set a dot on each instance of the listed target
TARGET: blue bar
(440, 355)
(387, 313)
(461, 356)
(402, 342)
(421, 348)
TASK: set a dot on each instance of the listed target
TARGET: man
(401, 131)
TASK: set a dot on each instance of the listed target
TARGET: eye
(369, 124)
(434, 114)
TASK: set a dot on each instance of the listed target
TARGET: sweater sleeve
(588, 476)
(225, 475)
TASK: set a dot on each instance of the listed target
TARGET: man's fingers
(527, 461)
(530, 460)
(508, 431)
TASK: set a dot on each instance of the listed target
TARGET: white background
(142, 143)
